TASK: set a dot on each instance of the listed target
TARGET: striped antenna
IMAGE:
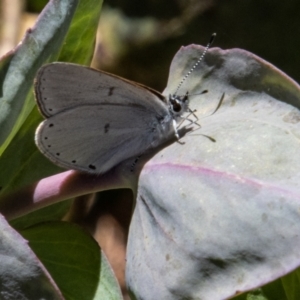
(197, 63)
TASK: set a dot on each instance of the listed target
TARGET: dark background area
(269, 29)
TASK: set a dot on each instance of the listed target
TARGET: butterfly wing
(95, 138)
(61, 86)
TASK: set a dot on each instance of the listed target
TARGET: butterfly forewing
(61, 86)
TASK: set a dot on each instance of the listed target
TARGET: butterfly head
(178, 105)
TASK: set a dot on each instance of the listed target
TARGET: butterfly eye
(176, 106)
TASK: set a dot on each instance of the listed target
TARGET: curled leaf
(214, 219)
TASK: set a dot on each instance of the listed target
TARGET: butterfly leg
(192, 112)
(176, 132)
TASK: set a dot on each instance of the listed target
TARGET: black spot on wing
(110, 92)
(106, 128)
(92, 167)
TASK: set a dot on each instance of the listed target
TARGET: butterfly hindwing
(97, 137)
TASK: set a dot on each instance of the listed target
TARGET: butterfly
(95, 120)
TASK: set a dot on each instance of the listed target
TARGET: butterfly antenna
(197, 63)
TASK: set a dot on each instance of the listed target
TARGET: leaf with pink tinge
(214, 219)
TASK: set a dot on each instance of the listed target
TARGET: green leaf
(17, 73)
(80, 41)
(54, 212)
(22, 275)
(21, 163)
(74, 260)
(291, 285)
